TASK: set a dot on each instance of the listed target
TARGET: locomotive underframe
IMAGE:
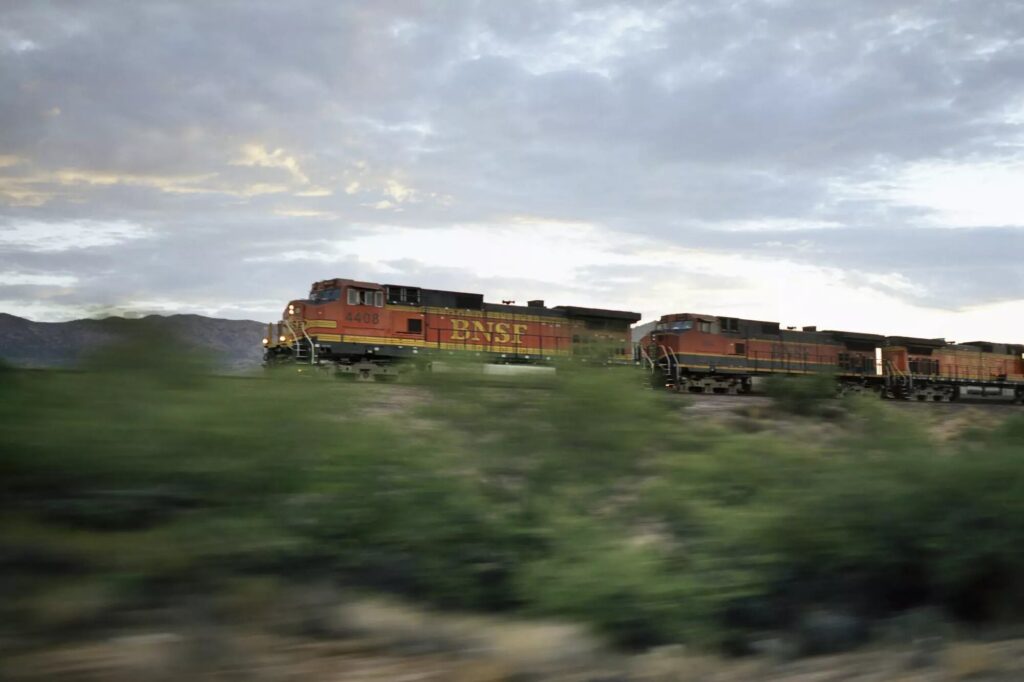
(686, 379)
(942, 389)
(368, 362)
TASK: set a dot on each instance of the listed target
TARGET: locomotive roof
(466, 300)
(995, 347)
(540, 311)
(338, 281)
(576, 311)
(912, 341)
(853, 336)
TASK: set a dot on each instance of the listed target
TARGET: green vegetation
(802, 395)
(144, 479)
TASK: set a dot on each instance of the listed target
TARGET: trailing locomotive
(932, 369)
(709, 354)
(366, 329)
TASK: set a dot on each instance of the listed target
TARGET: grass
(144, 481)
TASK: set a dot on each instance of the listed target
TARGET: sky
(850, 165)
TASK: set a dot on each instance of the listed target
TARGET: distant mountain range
(234, 344)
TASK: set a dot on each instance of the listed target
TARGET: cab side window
(365, 297)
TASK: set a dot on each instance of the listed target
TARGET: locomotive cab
(309, 326)
(677, 327)
(669, 331)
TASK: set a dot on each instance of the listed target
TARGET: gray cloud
(234, 131)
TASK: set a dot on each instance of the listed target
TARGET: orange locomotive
(932, 369)
(704, 353)
(362, 328)
(709, 354)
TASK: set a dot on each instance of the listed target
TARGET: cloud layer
(666, 156)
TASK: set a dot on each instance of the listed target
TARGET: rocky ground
(366, 641)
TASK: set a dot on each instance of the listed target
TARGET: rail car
(712, 354)
(375, 331)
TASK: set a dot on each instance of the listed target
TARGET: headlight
(281, 338)
(266, 341)
(291, 310)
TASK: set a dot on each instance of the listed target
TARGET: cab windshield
(325, 295)
(676, 327)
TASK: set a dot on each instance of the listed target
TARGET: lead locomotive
(374, 330)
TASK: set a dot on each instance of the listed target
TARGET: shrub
(801, 395)
(595, 575)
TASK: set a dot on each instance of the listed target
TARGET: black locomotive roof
(920, 343)
(853, 336)
(436, 298)
(994, 347)
(575, 311)
(539, 311)
(856, 337)
(439, 298)
(457, 299)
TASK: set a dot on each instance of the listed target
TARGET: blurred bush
(143, 480)
(802, 395)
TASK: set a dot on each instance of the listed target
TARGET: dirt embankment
(367, 640)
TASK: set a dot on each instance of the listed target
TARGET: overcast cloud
(853, 164)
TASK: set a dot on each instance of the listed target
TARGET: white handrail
(295, 341)
(644, 355)
(312, 348)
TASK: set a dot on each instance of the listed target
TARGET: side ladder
(663, 367)
(303, 349)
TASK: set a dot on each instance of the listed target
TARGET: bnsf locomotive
(364, 329)
(711, 354)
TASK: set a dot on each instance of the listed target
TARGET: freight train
(375, 331)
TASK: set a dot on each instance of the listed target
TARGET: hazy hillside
(235, 343)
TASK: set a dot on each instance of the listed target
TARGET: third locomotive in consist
(711, 354)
